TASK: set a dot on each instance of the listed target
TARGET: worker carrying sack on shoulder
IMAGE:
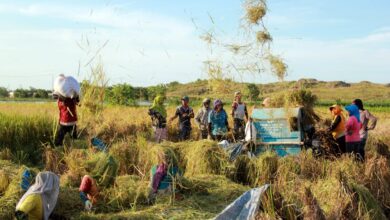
(66, 86)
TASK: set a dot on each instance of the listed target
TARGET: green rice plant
(24, 136)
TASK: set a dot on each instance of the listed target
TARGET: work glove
(88, 205)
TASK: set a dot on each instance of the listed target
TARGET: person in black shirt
(185, 113)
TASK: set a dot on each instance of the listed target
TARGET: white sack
(66, 86)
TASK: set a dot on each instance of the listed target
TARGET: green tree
(3, 92)
(121, 94)
(252, 91)
(22, 93)
(40, 93)
(154, 91)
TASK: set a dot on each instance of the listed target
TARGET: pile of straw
(204, 157)
(68, 204)
(254, 171)
(128, 191)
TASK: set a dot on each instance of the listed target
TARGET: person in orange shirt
(338, 126)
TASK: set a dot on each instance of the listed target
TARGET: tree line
(120, 94)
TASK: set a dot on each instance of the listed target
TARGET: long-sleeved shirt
(368, 123)
(218, 122)
(202, 118)
(352, 129)
(338, 127)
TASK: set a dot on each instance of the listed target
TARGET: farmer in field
(368, 123)
(185, 113)
(218, 122)
(352, 129)
(67, 118)
(158, 114)
(40, 199)
(103, 176)
(163, 174)
(202, 118)
(239, 114)
(338, 126)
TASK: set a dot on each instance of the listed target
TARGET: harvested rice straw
(11, 196)
(279, 68)
(4, 181)
(204, 157)
(263, 37)
(255, 12)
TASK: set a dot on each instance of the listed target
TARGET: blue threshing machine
(279, 130)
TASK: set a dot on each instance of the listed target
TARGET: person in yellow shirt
(40, 199)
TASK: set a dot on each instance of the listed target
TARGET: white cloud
(143, 49)
(352, 59)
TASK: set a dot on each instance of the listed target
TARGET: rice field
(303, 187)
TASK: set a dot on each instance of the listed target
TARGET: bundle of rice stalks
(69, 204)
(54, 160)
(375, 144)
(128, 191)
(255, 11)
(93, 91)
(263, 37)
(368, 207)
(334, 196)
(5, 154)
(126, 153)
(288, 170)
(11, 196)
(312, 209)
(274, 206)
(278, 66)
(243, 170)
(329, 146)
(310, 167)
(92, 100)
(4, 181)
(105, 171)
(204, 157)
(351, 169)
(266, 168)
(377, 179)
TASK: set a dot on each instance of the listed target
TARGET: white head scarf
(47, 184)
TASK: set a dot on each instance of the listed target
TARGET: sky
(147, 42)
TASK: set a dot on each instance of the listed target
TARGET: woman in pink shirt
(352, 128)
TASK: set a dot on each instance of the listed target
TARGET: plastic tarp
(234, 149)
(66, 86)
(250, 132)
(244, 207)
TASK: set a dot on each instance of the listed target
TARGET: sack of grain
(66, 86)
